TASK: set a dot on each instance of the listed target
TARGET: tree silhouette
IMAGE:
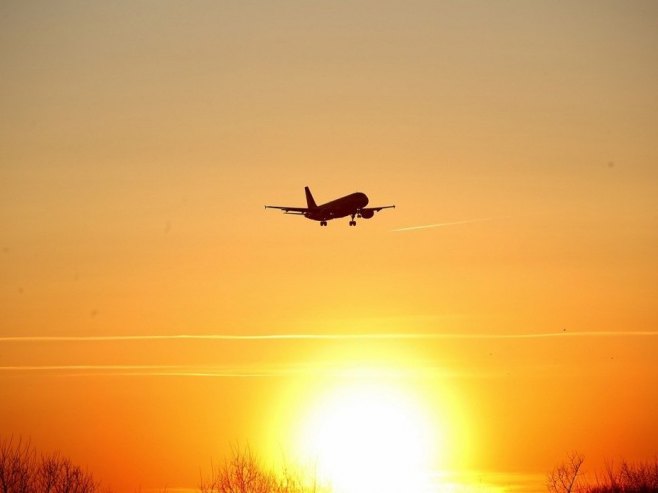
(563, 478)
(22, 471)
(17, 462)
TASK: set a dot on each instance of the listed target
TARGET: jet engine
(367, 214)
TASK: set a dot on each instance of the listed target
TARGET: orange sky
(140, 141)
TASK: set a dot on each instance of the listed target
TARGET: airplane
(353, 205)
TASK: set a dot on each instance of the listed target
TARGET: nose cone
(363, 199)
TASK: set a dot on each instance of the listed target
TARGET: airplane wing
(377, 209)
(368, 212)
(288, 210)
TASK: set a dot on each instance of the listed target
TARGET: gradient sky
(139, 142)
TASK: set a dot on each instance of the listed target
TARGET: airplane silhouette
(353, 205)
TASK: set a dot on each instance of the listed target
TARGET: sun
(369, 438)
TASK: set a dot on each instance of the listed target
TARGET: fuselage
(342, 207)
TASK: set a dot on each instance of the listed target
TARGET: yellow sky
(140, 141)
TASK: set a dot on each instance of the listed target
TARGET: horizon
(501, 316)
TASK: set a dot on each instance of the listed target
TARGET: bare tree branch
(563, 478)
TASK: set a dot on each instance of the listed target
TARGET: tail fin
(309, 199)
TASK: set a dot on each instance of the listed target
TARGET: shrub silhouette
(23, 471)
(242, 472)
(627, 478)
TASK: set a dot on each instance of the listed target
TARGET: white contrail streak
(87, 367)
(325, 337)
(440, 225)
(152, 370)
(157, 370)
(230, 372)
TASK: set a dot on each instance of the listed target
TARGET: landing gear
(323, 223)
(352, 223)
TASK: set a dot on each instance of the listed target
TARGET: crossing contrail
(440, 225)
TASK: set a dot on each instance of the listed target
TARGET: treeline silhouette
(23, 470)
(567, 477)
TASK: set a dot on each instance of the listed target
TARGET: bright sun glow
(369, 438)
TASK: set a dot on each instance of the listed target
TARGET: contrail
(233, 372)
(155, 370)
(325, 337)
(88, 367)
(171, 370)
(439, 225)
